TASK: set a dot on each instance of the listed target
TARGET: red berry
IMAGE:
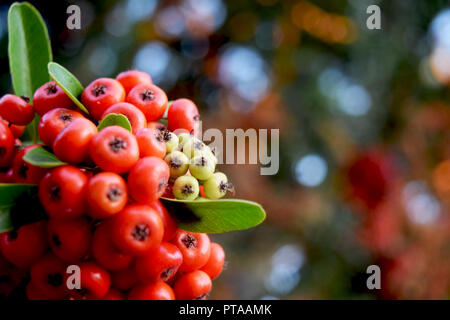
(183, 114)
(170, 224)
(104, 251)
(47, 276)
(16, 130)
(194, 285)
(214, 266)
(130, 79)
(151, 143)
(161, 263)
(72, 143)
(133, 114)
(124, 279)
(6, 145)
(148, 179)
(152, 291)
(195, 248)
(156, 125)
(50, 96)
(114, 149)
(16, 110)
(27, 244)
(137, 229)
(100, 94)
(24, 172)
(53, 122)
(62, 192)
(106, 195)
(69, 240)
(95, 282)
(150, 99)
(114, 294)
(32, 293)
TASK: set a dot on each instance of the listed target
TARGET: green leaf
(68, 82)
(215, 216)
(41, 157)
(29, 53)
(114, 119)
(9, 193)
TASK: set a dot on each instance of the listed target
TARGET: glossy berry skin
(183, 114)
(6, 145)
(24, 246)
(150, 99)
(50, 96)
(194, 285)
(152, 291)
(16, 130)
(131, 78)
(69, 240)
(195, 248)
(72, 143)
(47, 276)
(106, 195)
(16, 110)
(133, 114)
(216, 260)
(151, 143)
(124, 279)
(101, 94)
(148, 179)
(62, 192)
(104, 251)
(170, 224)
(156, 125)
(161, 263)
(95, 282)
(178, 163)
(114, 149)
(24, 172)
(186, 188)
(114, 294)
(53, 122)
(137, 229)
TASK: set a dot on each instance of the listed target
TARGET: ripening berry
(171, 141)
(178, 163)
(183, 114)
(201, 167)
(186, 188)
(216, 186)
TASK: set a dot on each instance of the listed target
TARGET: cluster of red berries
(104, 211)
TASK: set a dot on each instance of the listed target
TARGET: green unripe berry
(217, 186)
(183, 138)
(178, 163)
(193, 145)
(171, 141)
(186, 188)
(201, 167)
(206, 152)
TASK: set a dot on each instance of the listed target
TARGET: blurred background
(364, 119)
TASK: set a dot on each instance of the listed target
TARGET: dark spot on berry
(98, 90)
(55, 279)
(202, 161)
(165, 275)
(51, 88)
(147, 95)
(25, 98)
(200, 297)
(114, 193)
(56, 241)
(23, 170)
(159, 137)
(2, 151)
(162, 184)
(196, 117)
(65, 117)
(55, 193)
(12, 235)
(189, 241)
(4, 278)
(141, 232)
(83, 291)
(166, 135)
(117, 144)
(198, 145)
(187, 189)
(175, 163)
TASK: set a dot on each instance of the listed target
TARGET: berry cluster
(103, 207)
